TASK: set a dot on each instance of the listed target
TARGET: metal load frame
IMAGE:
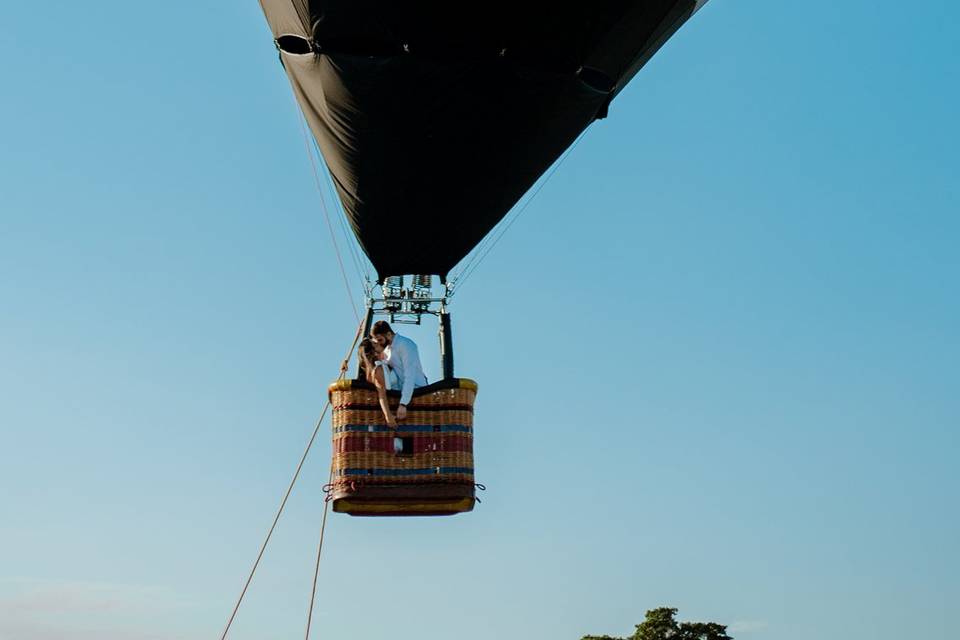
(408, 304)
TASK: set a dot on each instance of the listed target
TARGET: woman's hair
(367, 355)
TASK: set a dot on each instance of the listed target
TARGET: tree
(660, 624)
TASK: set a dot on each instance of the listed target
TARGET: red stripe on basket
(365, 442)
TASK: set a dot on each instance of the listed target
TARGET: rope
(316, 569)
(276, 518)
(472, 264)
(283, 503)
(331, 486)
(326, 501)
(346, 361)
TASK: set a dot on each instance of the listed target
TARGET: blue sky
(751, 417)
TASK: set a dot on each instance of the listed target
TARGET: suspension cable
(359, 261)
(326, 215)
(473, 263)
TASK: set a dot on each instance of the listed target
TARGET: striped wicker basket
(425, 467)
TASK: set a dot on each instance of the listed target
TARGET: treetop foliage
(661, 624)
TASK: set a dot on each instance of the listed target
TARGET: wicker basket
(425, 467)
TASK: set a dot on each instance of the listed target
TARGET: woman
(380, 375)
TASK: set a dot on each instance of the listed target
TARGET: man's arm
(411, 369)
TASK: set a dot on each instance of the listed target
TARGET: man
(402, 356)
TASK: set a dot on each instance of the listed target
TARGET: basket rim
(439, 385)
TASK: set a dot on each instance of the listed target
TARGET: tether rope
(316, 569)
(283, 503)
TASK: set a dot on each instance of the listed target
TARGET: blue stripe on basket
(403, 472)
(417, 428)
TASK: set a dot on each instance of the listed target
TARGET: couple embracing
(391, 362)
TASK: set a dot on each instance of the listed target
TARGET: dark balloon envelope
(435, 119)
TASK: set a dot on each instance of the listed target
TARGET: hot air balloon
(433, 120)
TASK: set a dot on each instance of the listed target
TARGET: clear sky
(717, 354)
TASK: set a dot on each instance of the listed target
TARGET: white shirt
(404, 359)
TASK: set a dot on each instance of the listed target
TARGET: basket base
(404, 500)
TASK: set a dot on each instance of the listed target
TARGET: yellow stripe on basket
(342, 384)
